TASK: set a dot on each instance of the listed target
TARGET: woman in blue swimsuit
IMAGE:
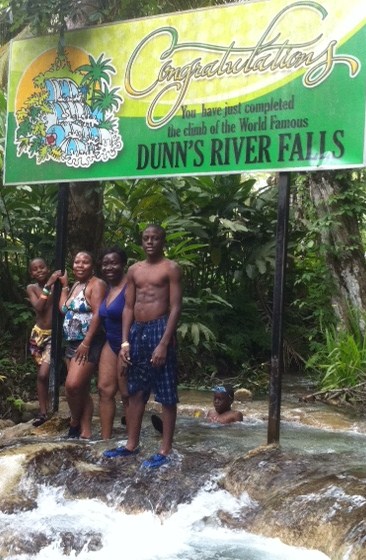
(113, 262)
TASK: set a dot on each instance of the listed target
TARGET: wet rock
(56, 425)
(123, 482)
(15, 432)
(316, 501)
(310, 501)
(16, 503)
(29, 411)
(304, 500)
(74, 544)
(11, 473)
(243, 395)
(14, 543)
(6, 424)
(181, 480)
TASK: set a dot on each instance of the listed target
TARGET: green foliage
(27, 230)
(21, 314)
(42, 16)
(342, 357)
(17, 380)
(309, 281)
(254, 377)
(45, 16)
(210, 233)
(325, 240)
(16, 404)
(198, 335)
(221, 230)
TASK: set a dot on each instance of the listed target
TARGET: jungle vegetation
(222, 232)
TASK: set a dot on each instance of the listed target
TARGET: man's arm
(127, 316)
(175, 306)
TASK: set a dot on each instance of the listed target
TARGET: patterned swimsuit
(78, 315)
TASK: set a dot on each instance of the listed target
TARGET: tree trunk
(85, 218)
(340, 240)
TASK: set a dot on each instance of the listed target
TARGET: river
(67, 502)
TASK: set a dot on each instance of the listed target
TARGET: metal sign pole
(277, 317)
(60, 258)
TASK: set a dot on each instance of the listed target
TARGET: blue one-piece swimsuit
(111, 316)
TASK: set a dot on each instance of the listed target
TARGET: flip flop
(119, 452)
(155, 461)
(157, 423)
(74, 432)
(39, 420)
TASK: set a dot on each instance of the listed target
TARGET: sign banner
(267, 85)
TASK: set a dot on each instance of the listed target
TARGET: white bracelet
(125, 344)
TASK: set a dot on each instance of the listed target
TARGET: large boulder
(315, 501)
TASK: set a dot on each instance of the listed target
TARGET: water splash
(98, 532)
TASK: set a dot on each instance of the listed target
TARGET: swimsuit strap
(122, 291)
(70, 294)
(83, 291)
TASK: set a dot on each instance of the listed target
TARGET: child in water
(222, 413)
(222, 400)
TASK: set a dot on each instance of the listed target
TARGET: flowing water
(59, 526)
(182, 536)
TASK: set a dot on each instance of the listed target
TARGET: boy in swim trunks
(149, 321)
(222, 400)
(40, 295)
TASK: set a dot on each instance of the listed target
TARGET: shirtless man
(40, 295)
(222, 400)
(149, 320)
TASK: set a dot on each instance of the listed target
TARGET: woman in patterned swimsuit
(84, 340)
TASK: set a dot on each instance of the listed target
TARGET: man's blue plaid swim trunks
(142, 376)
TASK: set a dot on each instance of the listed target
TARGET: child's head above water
(223, 398)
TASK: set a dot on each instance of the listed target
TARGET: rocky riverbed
(309, 491)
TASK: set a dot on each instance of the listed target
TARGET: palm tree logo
(70, 117)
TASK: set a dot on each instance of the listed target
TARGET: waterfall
(91, 530)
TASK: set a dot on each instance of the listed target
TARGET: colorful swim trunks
(40, 345)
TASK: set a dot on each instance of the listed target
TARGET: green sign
(256, 86)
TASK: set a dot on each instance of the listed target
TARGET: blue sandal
(155, 461)
(119, 452)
